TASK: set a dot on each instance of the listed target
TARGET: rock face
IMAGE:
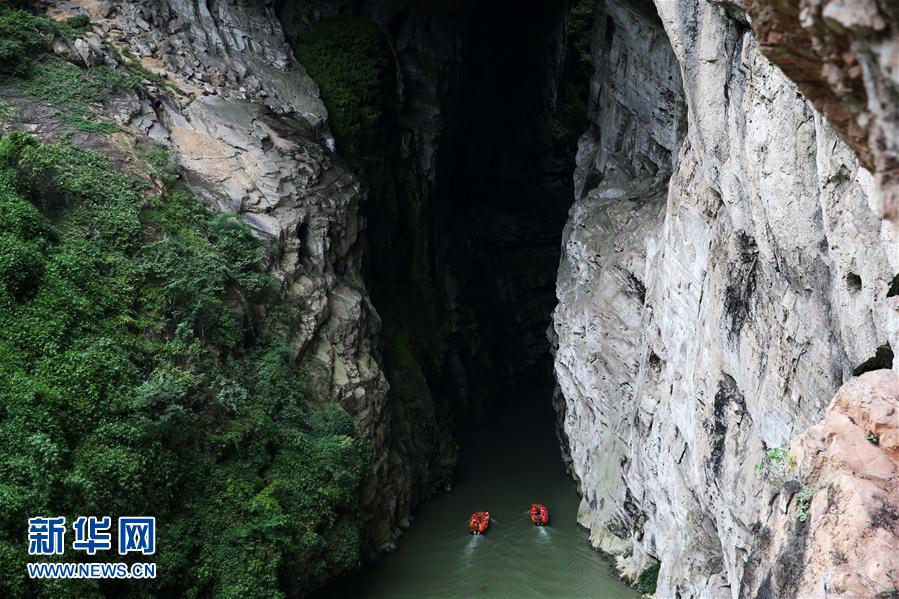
(254, 142)
(844, 56)
(849, 463)
(694, 332)
(236, 49)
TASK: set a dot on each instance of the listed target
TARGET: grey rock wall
(696, 330)
(843, 56)
(251, 133)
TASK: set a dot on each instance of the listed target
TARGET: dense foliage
(648, 579)
(24, 35)
(139, 379)
(575, 87)
(350, 60)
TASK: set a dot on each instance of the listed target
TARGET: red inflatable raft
(539, 514)
(479, 522)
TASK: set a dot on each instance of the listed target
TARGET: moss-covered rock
(350, 60)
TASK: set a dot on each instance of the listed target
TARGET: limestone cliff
(698, 327)
(843, 57)
(251, 133)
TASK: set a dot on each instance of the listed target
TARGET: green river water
(504, 467)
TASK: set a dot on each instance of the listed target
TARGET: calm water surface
(503, 468)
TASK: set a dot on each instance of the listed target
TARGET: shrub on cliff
(27, 63)
(350, 60)
(74, 90)
(22, 35)
(648, 579)
(575, 88)
(139, 380)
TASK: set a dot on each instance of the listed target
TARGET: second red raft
(539, 514)
(479, 522)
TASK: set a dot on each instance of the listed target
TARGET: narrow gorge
(673, 222)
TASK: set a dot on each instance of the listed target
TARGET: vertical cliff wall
(843, 56)
(702, 324)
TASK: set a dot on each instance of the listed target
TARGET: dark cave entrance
(463, 251)
(469, 184)
(504, 190)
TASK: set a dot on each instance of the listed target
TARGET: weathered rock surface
(848, 545)
(844, 56)
(724, 264)
(231, 48)
(766, 277)
(245, 159)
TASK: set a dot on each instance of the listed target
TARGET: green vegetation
(22, 36)
(804, 500)
(26, 61)
(776, 456)
(575, 88)
(777, 464)
(646, 582)
(350, 60)
(72, 26)
(580, 31)
(873, 438)
(8, 112)
(74, 90)
(140, 379)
